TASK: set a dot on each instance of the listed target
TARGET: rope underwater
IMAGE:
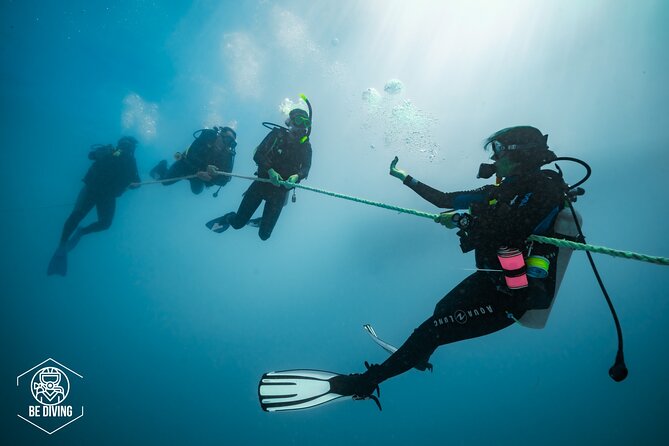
(47, 206)
(338, 195)
(548, 240)
(600, 249)
(144, 183)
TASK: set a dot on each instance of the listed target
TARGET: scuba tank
(568, 225)
(564, 227)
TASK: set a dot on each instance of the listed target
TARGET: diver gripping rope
(541, 239)
(431, 216)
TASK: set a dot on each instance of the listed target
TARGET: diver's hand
(274, 177)
(397, 173)
(292, 179)
(204, 176)
(446, 219)
(212, 170)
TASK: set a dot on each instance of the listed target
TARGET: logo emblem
(45, 394)
(460, 317)
(50, 386)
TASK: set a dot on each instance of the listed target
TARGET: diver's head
(127, 144)
(298, 121)
(229, 136)
(516, 150)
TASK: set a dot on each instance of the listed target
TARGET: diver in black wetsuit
(114, 169)
(526, 201)
(212, 150)
(284, 155)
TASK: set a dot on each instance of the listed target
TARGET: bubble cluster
(287, 105)
(371, 97)
(396, 122)
(244, 60)
(393, 86)
(139, 116)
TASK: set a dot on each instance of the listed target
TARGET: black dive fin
(220, 224)
(58, 263)
(159, 170)
(254, 222)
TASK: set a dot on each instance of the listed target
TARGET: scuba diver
(514, 278)
(114, 169)
(283, 155)
(212, 150)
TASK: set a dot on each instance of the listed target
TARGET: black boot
(360, 386)
(159, 171)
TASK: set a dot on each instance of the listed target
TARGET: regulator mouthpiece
(486, 171)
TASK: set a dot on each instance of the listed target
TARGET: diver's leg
(473, 308)
(274, 203)
(253, 196)
(196, 186)
(84, 204)
(106, 207)
(177, 170)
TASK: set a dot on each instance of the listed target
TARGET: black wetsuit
(202, 153)
(503, 215)
(282, 151)
(109, 176)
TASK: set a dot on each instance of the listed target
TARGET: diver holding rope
(284, 159)
(516, 279)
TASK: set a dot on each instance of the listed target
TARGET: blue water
(171, 326)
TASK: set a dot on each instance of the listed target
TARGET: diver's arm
(261, 156)
(436, 197)
(444, 200)
(135, 180)
(306, 162)
(226, 163)
(448, 200)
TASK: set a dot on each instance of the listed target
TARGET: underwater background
(171, 326)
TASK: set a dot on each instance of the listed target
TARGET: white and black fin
(422, 366)
(295, 389)
(384, 345)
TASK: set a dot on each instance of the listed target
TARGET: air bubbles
(393, 86)
(397, 122)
